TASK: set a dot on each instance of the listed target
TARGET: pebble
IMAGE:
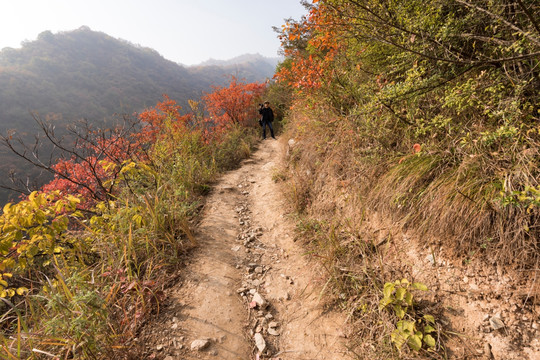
(200, 344)
(259, 300)
(273, 324)
(259, 342)
(496, 323)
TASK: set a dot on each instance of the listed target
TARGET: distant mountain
(88, 74)
(242, 59)
(249, 66)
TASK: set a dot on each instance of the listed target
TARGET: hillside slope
(414, 165)
(89, 74)
(86, 74)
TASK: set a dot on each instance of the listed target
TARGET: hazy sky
(185, 31)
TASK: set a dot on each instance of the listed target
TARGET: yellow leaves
(32, 227)
(107, 165)
(7, 293)
(21, 291)
(7, 208)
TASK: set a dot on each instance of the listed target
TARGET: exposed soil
(246, 281)
(486, 312)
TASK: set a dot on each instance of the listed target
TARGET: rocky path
(248, 292)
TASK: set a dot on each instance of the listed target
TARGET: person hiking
(267, 118)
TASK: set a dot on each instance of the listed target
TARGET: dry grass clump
(330, 204)
(472, 203)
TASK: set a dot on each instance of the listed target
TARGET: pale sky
(184, 31)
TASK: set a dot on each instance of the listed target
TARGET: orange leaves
(312, 45)
(157, 119)
(234, 104)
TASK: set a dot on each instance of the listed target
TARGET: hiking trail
(247, 291)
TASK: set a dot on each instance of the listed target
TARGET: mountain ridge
(86, 74)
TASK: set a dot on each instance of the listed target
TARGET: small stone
(174, 326)
(259, 342)
(430, 259)
(496, 323)
(273, 332)
(487, 351)
(269, 316)
(236, 248)
(257, 298)
(259, 270)
(200, 344)
(160, 347)
(273, 324)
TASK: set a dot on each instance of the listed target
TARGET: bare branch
(501, 19)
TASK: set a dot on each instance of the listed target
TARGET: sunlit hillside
(84, 74)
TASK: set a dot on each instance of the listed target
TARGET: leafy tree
(234, 104)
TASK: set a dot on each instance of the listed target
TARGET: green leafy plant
(415, 331)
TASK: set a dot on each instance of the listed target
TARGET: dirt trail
(247, 291)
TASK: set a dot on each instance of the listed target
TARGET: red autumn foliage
(313, 47)
(93, 169)
(234, 104)
(158, 120)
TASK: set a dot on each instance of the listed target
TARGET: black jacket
(267, 114)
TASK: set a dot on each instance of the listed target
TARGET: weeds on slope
(81, 282)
